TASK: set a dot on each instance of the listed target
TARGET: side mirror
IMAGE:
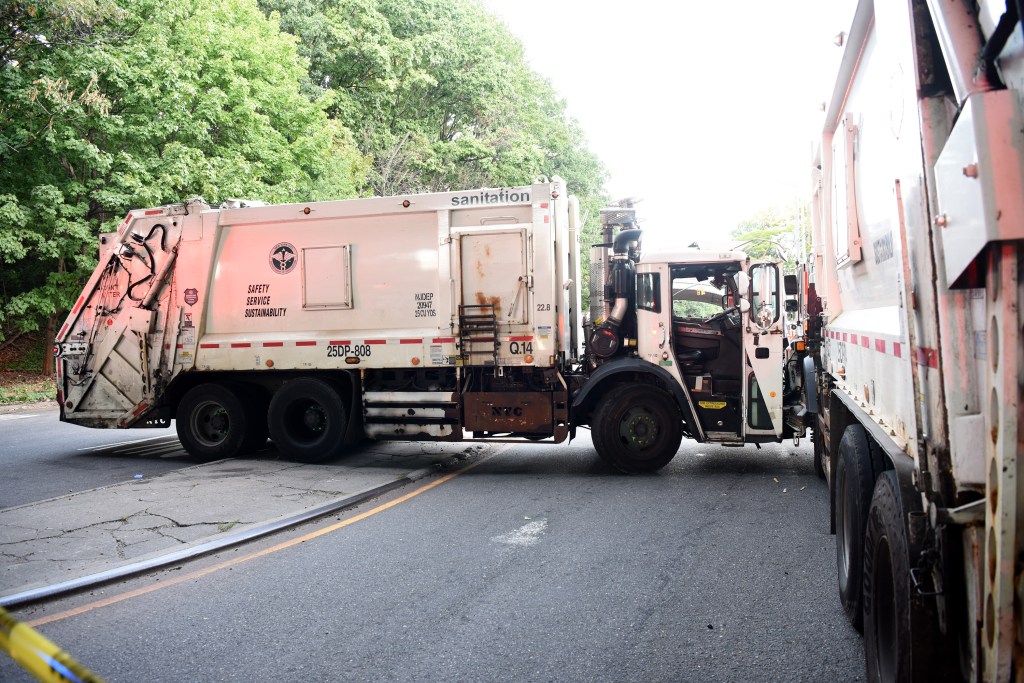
(744, 305)
(792, 286)
(792, 305)
(743, 282)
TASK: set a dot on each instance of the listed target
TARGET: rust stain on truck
(493, 301)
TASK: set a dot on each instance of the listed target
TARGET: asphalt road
(42, 457)
(538, 564)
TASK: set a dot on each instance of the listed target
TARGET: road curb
(202, 548)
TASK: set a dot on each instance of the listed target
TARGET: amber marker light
(306, 210)
(270, 363)
(406, 204)
(528, 359)
(415, 361)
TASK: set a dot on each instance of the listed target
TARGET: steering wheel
(722, 314)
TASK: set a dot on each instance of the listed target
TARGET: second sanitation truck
(919, 245)
(447, 316)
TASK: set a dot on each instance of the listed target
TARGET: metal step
(478, 334)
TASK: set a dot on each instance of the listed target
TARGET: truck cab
(714, 321)
(689, 343)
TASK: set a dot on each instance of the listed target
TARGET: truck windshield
(700, 292)
(695, 299)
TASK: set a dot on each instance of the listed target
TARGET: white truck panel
(867, 169)
(922, 172)
(369, 283)
(391, 288)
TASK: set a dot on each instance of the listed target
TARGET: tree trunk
(51, 332)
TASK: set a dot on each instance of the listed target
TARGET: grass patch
(22, 387)
(21, 372)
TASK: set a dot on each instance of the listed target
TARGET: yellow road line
(245, 558)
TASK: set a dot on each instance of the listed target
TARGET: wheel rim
(306, 421)
(638, 429)
(210, 423)
(884, 612)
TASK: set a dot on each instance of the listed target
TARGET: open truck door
(763, 351)
(724, 326)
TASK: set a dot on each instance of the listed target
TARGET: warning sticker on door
(712, 405)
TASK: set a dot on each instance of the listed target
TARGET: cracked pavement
(84, 533)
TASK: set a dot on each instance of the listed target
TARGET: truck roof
(692, 256)
(412, 203)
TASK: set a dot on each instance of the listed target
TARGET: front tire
(307, 420)
(854, 480)
(637, 429)
(212, 422)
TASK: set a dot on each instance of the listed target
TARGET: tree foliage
(778, 232)
(440, 97)
(438, 93)
(108, 105)
(143, 105)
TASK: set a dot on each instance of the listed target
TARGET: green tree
(440, 97)
(778, 232)
(171, 100)
(438, 92)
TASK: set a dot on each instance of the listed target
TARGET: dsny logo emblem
(283, 258)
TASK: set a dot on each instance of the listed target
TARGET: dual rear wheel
(306, 418)
(854, 482)
(887, 587)
(874, 559)
(217, 421)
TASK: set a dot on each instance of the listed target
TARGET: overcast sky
(705, 110)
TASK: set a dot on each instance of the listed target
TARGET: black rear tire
(307, 420)
(887, 587)
(212, 422)
(854, 481)
(902, 641)
(637, 429)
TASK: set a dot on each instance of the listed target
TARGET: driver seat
(690, 356)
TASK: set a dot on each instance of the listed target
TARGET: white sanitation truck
(919, 221)
(447, 316)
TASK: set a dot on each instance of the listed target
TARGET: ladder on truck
(478, 334)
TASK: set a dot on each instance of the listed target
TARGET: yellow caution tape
(39, 656)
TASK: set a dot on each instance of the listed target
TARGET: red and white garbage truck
(446, 316)
(918, 227)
